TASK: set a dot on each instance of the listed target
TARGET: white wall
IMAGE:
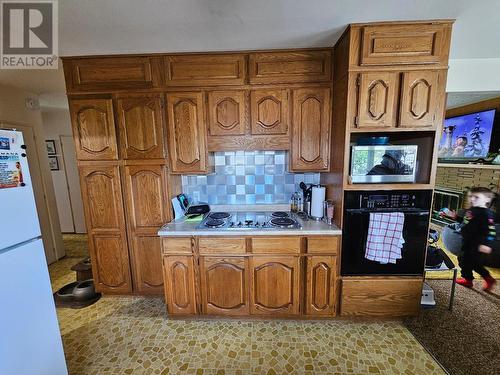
(466, 75)
(57, 124)
(13, 111)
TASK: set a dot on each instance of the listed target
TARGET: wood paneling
(403, 44)
(224, 285)
(249, 142)
(276, 245)
(377, 104)
(102, 201)
(227, 113)
(140, 126)
(298, 66)
(176, 245)
(323, 245)
(146, 202)
(178, 273)
(320, 286)
(367, 296)
(205, 70)
(269, 113)
(186, 132)
(419, 99)
(93, 129)
(108, 73)
(274, 285)
(220, 245)
(310, 149)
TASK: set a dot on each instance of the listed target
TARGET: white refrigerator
(30, 339)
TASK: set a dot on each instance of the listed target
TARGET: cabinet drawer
(280, 67)
(195, 70)
(403, 44)
(176, 245)
(111, 73)
(323, 245)
(222, 246)
(276, 245)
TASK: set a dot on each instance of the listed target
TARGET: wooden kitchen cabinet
(93, 129)
(179, 284)
(186, 132)
(146, 206)
(412, 94)
(224, 285)
(102, 202)
(320, 285)
(227, 113)
(377, 104)
(274, 285)
(310, 148)
(269, 113)
(140, 126)
(290, 66)
(419, 99)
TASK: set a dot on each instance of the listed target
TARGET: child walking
(478, 232)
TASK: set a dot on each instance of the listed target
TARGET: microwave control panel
(402, 200)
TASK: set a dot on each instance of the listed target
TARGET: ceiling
(88, 27)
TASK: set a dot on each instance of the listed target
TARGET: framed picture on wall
(51, 146)
(53, 163)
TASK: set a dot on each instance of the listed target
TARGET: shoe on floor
(488, 284)
(464, 282)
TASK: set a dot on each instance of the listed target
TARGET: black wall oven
(414, 204)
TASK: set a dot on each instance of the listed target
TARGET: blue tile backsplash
(247, 177)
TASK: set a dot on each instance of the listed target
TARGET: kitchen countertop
(179, 227)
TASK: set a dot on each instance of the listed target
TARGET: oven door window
(354, 262)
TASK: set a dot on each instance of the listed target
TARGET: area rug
(466, 341)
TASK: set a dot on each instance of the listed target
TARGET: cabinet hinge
(356, 120)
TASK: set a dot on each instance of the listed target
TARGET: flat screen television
(466, 137)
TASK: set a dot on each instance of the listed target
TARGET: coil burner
(214, 223)
(283, 222)
(219, 215)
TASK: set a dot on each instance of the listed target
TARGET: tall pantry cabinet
(121, 156)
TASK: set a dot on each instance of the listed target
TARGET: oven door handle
(405, 211)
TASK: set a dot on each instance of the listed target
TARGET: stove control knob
(240, 224)
(257, 224)
(232, 224)
(264, 224)
(248, 223)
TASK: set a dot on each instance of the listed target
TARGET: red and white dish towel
(385, 237)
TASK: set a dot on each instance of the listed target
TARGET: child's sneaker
(464, 282)
(488, 284)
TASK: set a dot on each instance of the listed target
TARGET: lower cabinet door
(275, 285)
(178, 272)
(320, 286)
(224, 285)
(147, 264)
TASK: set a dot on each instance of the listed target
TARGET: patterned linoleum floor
(133, 335)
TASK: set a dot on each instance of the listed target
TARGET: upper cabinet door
(227, 112)
(377, 99)
(288, 67)
(204, 70)
(269, 111)
(141, 126)
(186, 132)
(109, 73)
(93, 129)
(311, 129)
(419, 99)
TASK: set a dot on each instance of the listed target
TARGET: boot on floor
(464, 282)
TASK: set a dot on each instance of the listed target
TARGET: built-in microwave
(383, 164)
